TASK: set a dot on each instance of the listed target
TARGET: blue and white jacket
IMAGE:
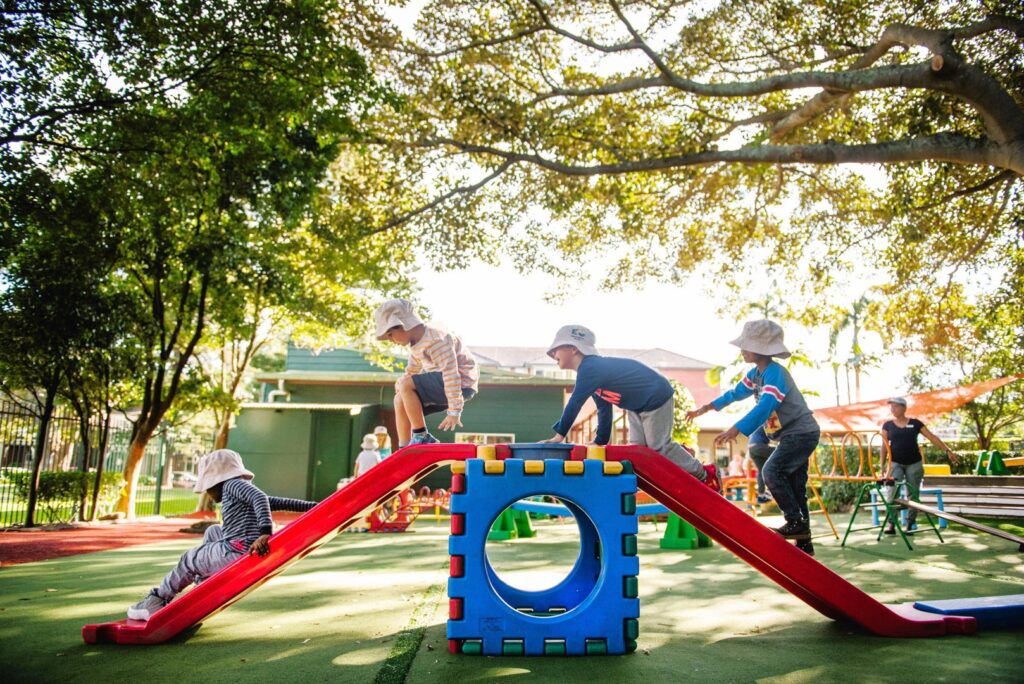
(780, 405)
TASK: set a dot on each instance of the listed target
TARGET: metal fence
(166, 475)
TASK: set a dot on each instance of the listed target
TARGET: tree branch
(949, 147)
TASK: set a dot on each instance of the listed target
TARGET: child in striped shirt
(441, 375)
(245, 513)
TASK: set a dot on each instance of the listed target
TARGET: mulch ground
(19, 545)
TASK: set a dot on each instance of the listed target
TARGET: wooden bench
(991, 496)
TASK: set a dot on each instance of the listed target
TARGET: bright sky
(497, 306)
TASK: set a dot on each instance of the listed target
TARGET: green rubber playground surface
(372, 608)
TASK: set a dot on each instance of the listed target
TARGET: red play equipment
(709, 512)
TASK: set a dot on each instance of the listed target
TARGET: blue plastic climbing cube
(594, 610)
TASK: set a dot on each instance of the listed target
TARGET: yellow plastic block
(494, 467)
(612, 468)
(595, 452)
(936, 469)
(572, 467)
(486, 452)
(533, 467)
(459, 468)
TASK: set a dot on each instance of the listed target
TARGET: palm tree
(851, 318)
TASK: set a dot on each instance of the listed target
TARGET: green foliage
(683, 429)
(60, 492)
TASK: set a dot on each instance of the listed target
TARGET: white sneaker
(145, 608)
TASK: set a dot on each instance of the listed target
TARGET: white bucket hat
(219, 466)
(762, 337)
(370, 442)
(395, 312)
(899, 401)
(575, 336)
(380, 430)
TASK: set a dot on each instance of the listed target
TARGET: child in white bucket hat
(782, 411)
(246, 527)
(368, 457)
(441, 375)
(644, 394)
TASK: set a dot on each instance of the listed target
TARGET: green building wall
(304, 452)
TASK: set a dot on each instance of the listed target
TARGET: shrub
(60, 492)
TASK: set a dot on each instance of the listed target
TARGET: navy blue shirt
(625, 383)
(758, 437)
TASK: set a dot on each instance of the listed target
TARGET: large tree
(216, 124)
(715, 138)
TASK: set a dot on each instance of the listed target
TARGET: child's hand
(727, 436)
(699, 411)
(450, 423)
(260, 547)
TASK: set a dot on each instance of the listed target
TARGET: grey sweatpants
(913, 475)
(197, 564)
(654, 429)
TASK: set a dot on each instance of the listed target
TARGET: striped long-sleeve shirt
(444, 352)
(245, 512)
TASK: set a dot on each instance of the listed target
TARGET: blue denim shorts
(430, 390)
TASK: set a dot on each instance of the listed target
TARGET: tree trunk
(220, 441)
(136, 450)
(100, 462)
(40, 451)
(86, 454)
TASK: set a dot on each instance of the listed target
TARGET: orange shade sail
(925, 406)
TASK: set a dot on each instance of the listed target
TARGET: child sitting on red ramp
(245, 512)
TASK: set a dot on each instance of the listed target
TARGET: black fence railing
(68, 473)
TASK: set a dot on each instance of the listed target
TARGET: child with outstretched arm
(782, 410)
(644, 394)
(442, 374)
(246, 528)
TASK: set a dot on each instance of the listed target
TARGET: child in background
(760, 449)
(383, 441)
(785, 416)
(644, 394)
(368, 457)
(442, 374)
(246, 527)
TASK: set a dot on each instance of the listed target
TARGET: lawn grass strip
(399, 661)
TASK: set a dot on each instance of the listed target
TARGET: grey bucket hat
(575, 336)
(762, 337)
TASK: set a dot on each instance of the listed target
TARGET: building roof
(488, 376)
(518, 357)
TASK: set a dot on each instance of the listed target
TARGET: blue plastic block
(991, 612)
(541, 451)
(590, 610)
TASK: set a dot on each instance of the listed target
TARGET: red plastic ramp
(776, 558)
(333, 514)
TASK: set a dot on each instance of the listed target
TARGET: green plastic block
(629, 504)
(630, 586)
(596, 646)
(512, 647)
(627, 468)
(554, 647)
(472, 646)
(629, 545)
(632, 628)
(630, 646)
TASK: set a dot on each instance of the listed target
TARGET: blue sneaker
(422, 438)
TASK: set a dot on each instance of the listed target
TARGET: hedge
(60, 492)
